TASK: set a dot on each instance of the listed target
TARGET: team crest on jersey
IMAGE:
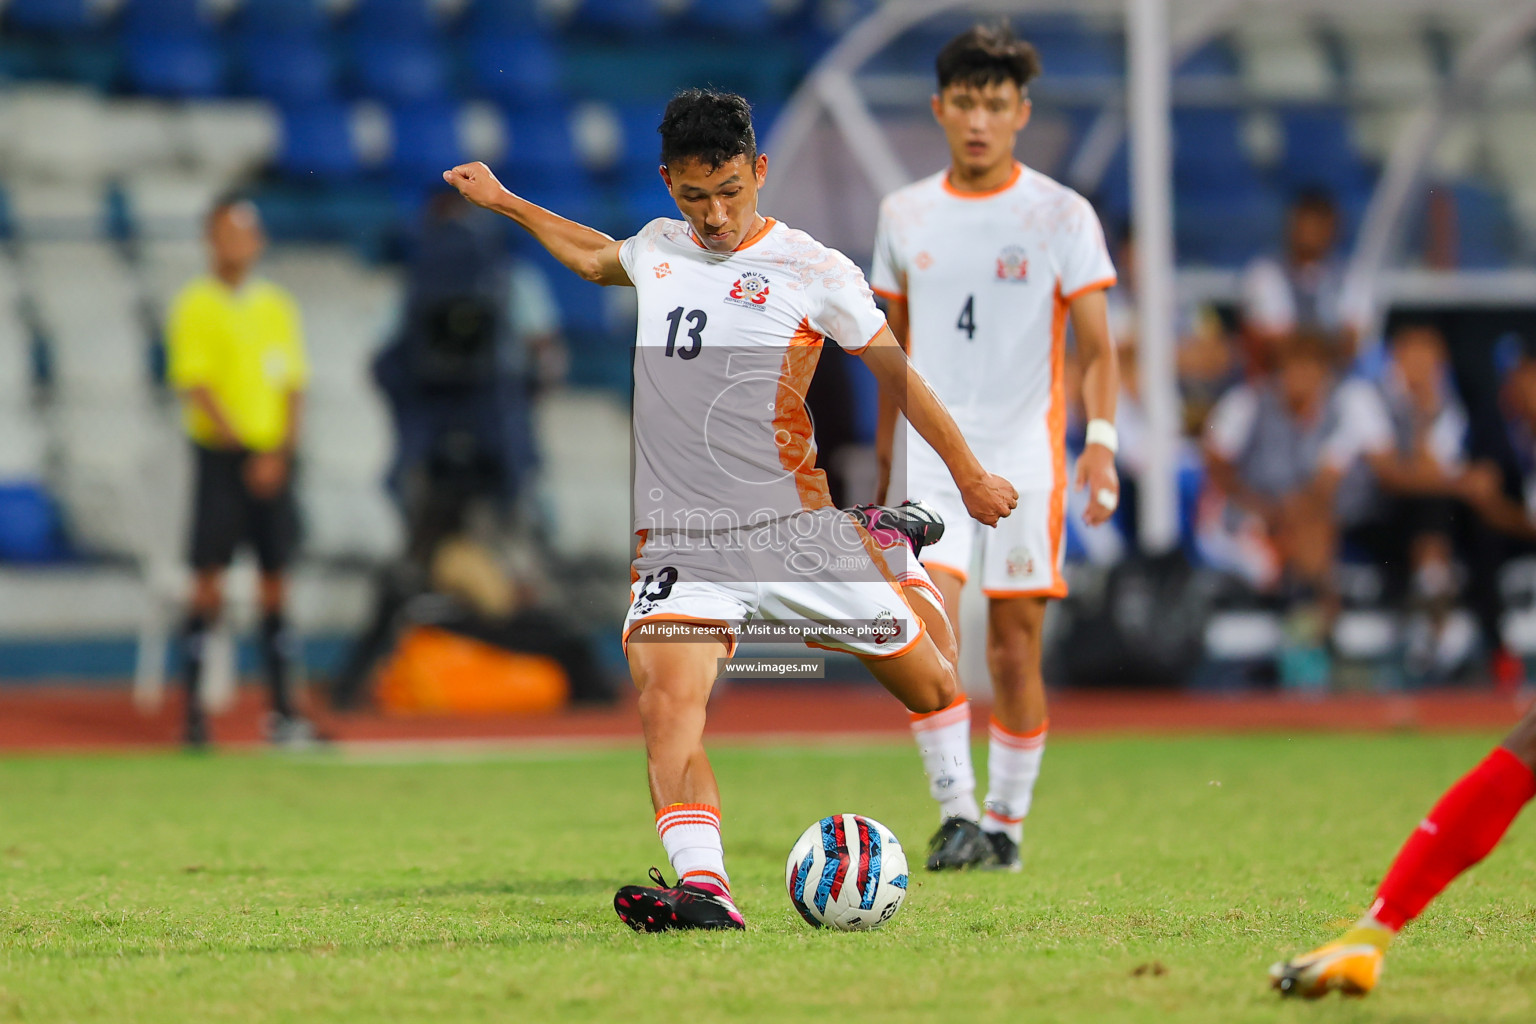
(1012, 264)
(1020, 563)
(750, 290)
(662, 270)
(885, 627)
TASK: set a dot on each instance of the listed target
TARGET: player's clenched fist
(476, 183)
(990, 498)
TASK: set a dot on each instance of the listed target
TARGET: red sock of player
(1461, 830)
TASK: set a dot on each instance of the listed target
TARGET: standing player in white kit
(734, 522)
(982, 266)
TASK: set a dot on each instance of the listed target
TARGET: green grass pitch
(1162, 877)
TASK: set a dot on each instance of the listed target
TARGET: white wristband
(1103, 432)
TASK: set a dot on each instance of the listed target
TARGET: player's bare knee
(1522, 740)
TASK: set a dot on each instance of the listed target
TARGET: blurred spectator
(1302, 289)
(1511, 521)
(1284, 458)
(1421, 475)
(236, 356)
(476, 335)
(1204, 357)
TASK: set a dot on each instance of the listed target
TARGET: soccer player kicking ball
(982, 266)
(733, 520)
(1458, 832)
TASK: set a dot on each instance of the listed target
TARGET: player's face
(719, 203)
(236, 238)
(981, 122)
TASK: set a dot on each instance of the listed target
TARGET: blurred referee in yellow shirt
(236, 356)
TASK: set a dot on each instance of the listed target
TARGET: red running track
(64, 718)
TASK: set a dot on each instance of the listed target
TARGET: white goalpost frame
(1156, 42)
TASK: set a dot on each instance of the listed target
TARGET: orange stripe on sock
(1001, 731)
(1005, 820)
(1013, 741)
(713, 812)
(708, 876)
(936, 719)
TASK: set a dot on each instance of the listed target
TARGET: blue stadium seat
(642, 145)
(400, 19)
(165, 17)
(1213, 60)
(426, 141)
(1208, 151)
(317, 142)
(175, 65)
(288, 17)
(1227, 230)
(743, 17)
(501, 18)
(287, 68)
(400, 70)
(519, 70)
(1319, 151)
(52, 15)
(618, 17)
(1485, 237)
(1071, 52)
(541, 139)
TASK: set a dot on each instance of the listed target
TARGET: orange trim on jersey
(918, 583)
(1013, 179)
(922, 631)
(757, 236)
(730, 640)
(871, 341)
(1056, 590)
(634, 574)
(1096, 286)
(959, 574)
(790, 420)
(1056, 430)
(888, 296)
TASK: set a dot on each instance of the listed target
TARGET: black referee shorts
(224, 515)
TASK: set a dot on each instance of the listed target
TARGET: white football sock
(944, 741)
(1013, 765)
(691, 835)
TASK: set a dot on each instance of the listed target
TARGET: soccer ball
(847, 872)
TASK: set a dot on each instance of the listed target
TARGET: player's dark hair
(708, 126)
(1314, 199)
(986, 55)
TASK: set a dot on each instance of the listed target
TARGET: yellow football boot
(1350, 964)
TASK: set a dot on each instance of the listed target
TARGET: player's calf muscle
(1522, 740)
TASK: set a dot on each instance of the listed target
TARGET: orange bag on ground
(435, 672)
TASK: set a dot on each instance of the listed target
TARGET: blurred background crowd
(1354, 468)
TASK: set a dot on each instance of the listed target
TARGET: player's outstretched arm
(885, 408)
(988, 497)
(585, 250)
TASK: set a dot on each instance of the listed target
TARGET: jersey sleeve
(1267, 303)
(1364, 426)
(1231, 422)
(189, 360)
(843, 307)
(1085, 265)
(631, 248)
(888, 277)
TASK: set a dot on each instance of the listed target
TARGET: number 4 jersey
(987, 278)
(724, 351)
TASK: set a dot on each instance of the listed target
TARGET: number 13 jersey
(987, 278)
(725, 347)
